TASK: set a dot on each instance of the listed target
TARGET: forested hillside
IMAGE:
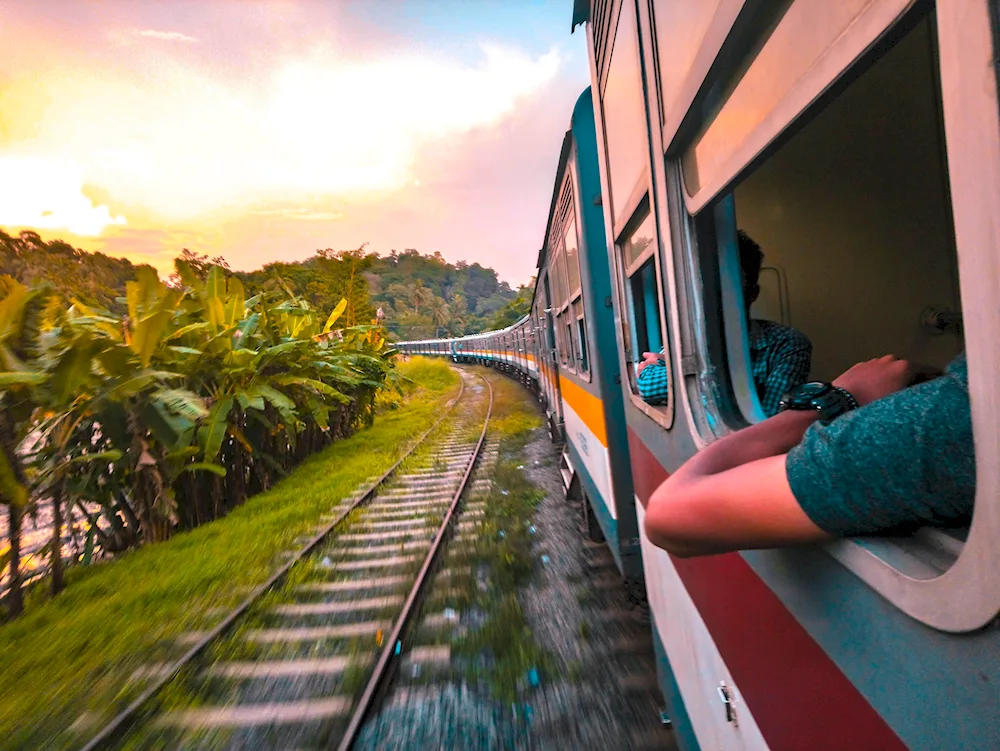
(92, 278)
(420, 296)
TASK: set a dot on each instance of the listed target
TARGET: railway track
(301, 662)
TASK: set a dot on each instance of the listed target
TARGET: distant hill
(420, 296)
(91, 278)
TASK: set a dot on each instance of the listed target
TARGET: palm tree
(440, 315)
(418, 294)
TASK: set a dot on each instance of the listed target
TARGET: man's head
(751, 259)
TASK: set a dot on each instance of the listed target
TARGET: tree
(173, 413)
(440, 315)
(418, 294)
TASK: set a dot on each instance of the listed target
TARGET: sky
(263, 130)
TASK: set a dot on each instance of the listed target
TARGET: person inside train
(780, 356)
(867, 454)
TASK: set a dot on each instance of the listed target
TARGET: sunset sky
(265, 130)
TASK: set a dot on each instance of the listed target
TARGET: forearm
(774, 436)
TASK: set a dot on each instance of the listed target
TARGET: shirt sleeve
(788, 366)
(653, 384)
(898, 463)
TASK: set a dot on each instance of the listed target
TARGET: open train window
(642, 318)
(582, 357)
(868, 208)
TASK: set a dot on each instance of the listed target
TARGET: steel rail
(378, 677)
(117, 724)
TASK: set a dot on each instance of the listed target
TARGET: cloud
(300, 213)
(166, 36)
(185, 143)
(46, 193)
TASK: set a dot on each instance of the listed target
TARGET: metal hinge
(607, 302)
(618, 378)
(689, 365)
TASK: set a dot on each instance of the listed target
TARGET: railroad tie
(248, 715)
(315, 633)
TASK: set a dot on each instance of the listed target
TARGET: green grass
(74, 655)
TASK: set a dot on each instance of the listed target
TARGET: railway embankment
(71, 662)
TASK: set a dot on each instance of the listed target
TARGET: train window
(624, 118)
(854, 209)
(581, 338)
(567, 325)
(868, 209)
(571, 244)
(642, 319)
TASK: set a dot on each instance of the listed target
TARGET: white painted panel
(595, 455)
(697, 665)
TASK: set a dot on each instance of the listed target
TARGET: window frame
(661, 414)
(965, 596)
(868, 29)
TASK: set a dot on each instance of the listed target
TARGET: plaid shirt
(780, 358)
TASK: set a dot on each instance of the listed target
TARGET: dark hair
(751, 258)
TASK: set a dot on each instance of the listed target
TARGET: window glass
(625, 113)
(559, 276)
(572, 256)
(638, 242)
(806, 34)
(853, 214)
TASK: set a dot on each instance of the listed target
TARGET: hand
(872, 380)
(648, 358)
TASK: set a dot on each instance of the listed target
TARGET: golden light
(181, 142)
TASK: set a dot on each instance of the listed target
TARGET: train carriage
(858, 142)
(574, 278)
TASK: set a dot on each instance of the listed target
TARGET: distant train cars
(859, 143)
(565, 348)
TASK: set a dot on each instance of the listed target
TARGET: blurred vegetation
(169, 414)
(73, 656)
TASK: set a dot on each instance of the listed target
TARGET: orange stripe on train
(587, 406)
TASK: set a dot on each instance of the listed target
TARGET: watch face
(811, 390)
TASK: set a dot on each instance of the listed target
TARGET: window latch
(727, 702)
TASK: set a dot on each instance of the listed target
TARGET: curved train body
(859, 144)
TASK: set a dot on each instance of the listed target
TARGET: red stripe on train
(799, 698)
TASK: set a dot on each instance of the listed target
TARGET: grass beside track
(67, 661)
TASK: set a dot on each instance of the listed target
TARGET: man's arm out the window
(735, 494)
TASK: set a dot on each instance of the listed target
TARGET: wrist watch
(828, 400)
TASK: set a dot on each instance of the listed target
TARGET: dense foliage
(419, 296)
(93, 278)
(173, 412)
